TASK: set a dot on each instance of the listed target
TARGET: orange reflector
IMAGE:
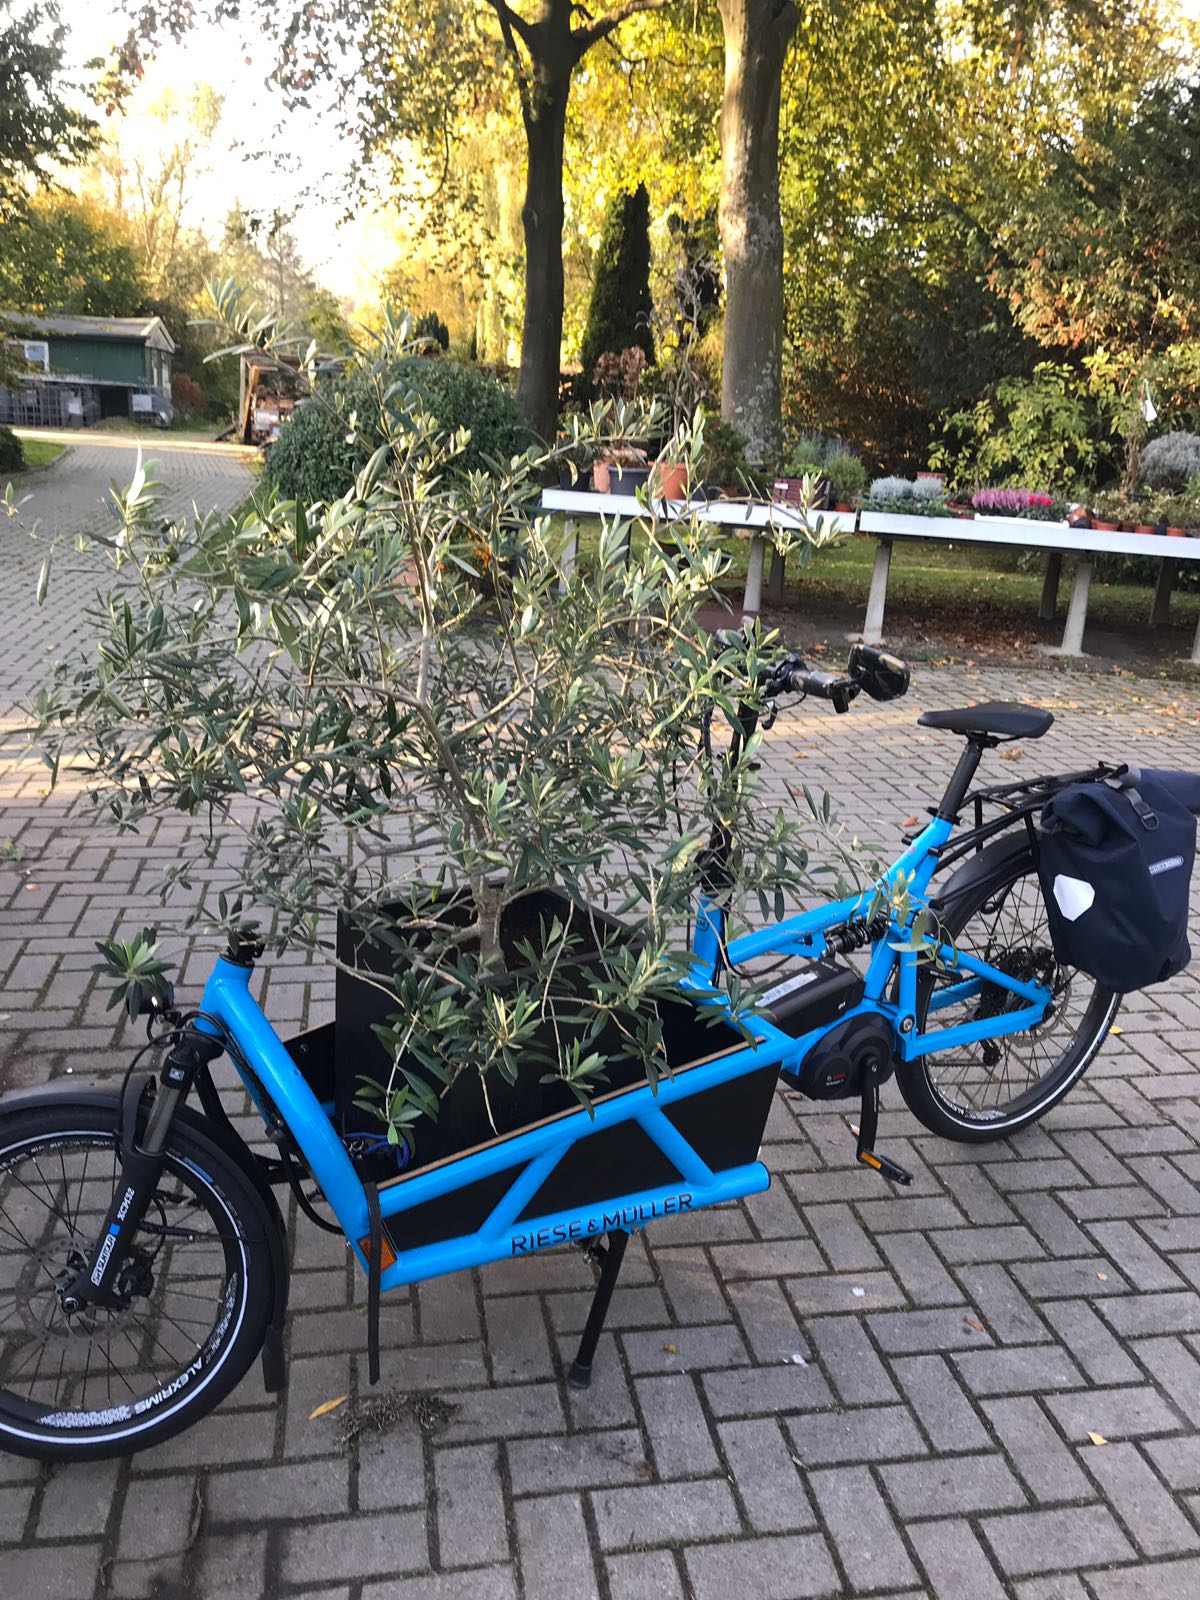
(387, 1255)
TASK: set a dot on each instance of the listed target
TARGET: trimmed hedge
(312, 460)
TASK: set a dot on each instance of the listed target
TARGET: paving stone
(1125, 1413)
(1097, 1352)
(293, 1490)
(944, 1411)
(482, 1583)
(666, 1513)
(766, 1390)
(962, 1485)
(356, 1547)
(552, 1538)
(766, 1477)
(1147, 1510)
(1036, 1450)
(856, 1518)
(651, 1575)
(925, 1280)
(1177, 1460)
(1166, 1580)
(877, 1433)
(1032, 1370)
(576, 1461)
(678, 1430)
(955, 1561)
(849, 1360)
(1027, 1542)
(471, 1521)
(766, 1568)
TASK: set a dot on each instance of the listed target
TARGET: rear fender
(996, 863)
(97, 1095)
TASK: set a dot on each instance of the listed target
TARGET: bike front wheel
(984, 1090)
(194, 1295)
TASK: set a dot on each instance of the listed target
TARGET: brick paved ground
(960, 1342)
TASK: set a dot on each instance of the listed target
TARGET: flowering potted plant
(1020, 503)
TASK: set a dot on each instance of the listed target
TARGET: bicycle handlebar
(871, 671)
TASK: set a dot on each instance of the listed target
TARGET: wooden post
(775, 581)
(873, 626)
(1072, 644)
(752, 602)
(1049, 606)
(1160, 610)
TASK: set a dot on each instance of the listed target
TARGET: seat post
(961, 777)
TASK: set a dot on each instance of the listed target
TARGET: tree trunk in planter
(757, 36)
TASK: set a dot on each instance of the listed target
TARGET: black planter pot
(627, 480)
(727, 1119)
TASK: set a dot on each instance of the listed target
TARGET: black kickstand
(580, 1375)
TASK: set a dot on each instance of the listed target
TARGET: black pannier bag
(1115, 863)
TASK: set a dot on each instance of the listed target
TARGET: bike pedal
(885, 1167)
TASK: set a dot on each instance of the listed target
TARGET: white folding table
(753, 518)
(756, 519)
(1057, 538)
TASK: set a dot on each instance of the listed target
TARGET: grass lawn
(37, 453)
(40, 453)
(190, 429)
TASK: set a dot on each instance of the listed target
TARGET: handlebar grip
(830, 686)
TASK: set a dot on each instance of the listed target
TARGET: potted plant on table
(847, 476)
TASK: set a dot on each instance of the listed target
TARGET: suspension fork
(141, 1165)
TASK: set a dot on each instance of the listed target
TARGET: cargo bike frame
(640, 1154)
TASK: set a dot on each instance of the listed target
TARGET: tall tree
(39, 129)
(757, 36)
(427, 64)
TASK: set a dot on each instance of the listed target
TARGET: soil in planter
(463, 1120)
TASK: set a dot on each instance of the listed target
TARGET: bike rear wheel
(195, 1292)
(982, 1091)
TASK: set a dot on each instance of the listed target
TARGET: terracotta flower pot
(1099, 525)
(1144, 527)
(843, 505)
(1177, 533)
(669, 480)
(600, 477)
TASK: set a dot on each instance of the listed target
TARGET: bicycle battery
(814, 997)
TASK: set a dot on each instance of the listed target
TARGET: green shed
(84, 368)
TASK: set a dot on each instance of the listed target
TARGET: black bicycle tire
(208, 1166)
(934, 1109)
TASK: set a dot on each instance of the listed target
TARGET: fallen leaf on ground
(327, 1406)
(970, 1322)
(642, 1470)
(671, 1349)
(1097, 1438)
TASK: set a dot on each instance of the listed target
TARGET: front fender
(99, 1095)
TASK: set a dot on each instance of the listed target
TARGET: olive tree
(408, 697)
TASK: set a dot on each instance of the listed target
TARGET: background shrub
(431, 326)
(1169, 461)
(12, 457)
(313, 459)
(187, 396)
